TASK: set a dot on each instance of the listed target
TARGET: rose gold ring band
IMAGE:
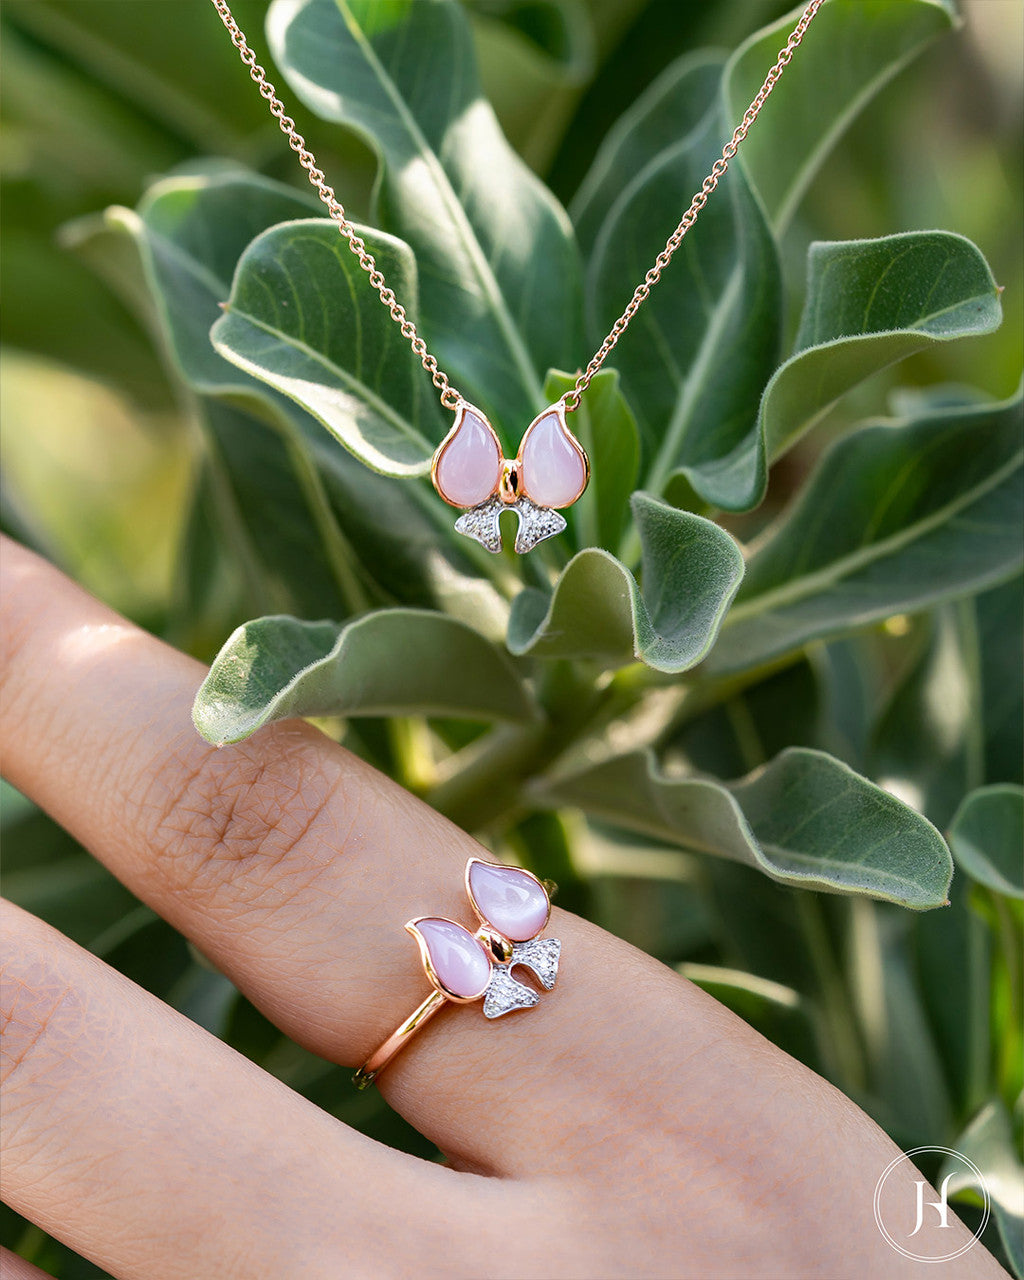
(398, 1039)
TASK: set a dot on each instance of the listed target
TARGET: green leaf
(988, 1142)
(907, 1088)
(805, 819)
(987, 836)
(925, 742)
(691, 569)
(678, 100)
(894, 519)
(303, 318)
(605, 426)
(192, 231)
(707, 341)
(698, 355)
(393, 662)
(498, 267)
(871, 303)
(853, 48)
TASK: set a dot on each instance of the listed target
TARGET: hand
(626, 1126)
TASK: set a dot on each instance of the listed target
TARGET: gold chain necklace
(551, 469)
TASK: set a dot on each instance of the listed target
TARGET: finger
(14, 1268)
(155, 1150)
(294, 865)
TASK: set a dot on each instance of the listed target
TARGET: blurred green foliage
(877, 629)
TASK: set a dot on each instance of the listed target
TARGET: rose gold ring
(513, 907)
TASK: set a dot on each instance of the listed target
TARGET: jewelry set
(548, 474)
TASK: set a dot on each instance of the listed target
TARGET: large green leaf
(498, 270)
(805, 819)
(871, 303)
(394, 662)
(987, 836)
(853, 48)
(302, 318)
(699, 353)
(691, 569)
(894, 519)
(676, 102)
(191, 231)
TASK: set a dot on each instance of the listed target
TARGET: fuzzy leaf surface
(302, 319)
(498, 266)
(392, 662)
(805, 819)
(894, 519)
(869, 304)
(987, 836)
(598, 610)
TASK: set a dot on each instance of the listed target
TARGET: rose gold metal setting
(449, 397)
(499, 949)
(398, 1039)
(509, 488)
(559, 410)
(462, 407)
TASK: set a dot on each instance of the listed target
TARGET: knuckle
(254, 812)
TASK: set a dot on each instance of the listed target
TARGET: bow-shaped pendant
(550, 470)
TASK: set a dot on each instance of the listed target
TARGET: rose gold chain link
(571, 399)
(449, 396)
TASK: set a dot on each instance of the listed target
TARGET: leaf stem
(338, 550)
(485, 784)
(842, 1047)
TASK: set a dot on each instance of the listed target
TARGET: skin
(627, 1126)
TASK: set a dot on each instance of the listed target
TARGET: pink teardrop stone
(509, 899)
(460, 962)
(469, 467)
(553, 470)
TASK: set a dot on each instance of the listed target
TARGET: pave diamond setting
(504, 993)
(535, 523)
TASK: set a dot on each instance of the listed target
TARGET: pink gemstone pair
(513, 907)
(550, 470)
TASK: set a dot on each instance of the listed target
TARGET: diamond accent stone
(482, 523)
(505, 994)
(535, 523)
(540, 955)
